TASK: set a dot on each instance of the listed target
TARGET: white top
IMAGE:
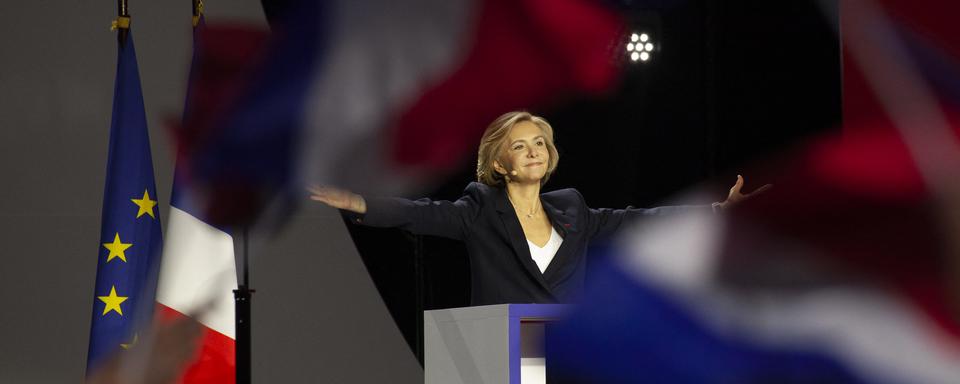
(543, 256)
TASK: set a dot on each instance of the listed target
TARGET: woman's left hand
(735, 196)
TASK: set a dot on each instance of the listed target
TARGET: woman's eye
(518, 147)
(540, 143)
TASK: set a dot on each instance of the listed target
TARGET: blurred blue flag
(130, 236)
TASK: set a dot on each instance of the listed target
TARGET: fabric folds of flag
(130, 234)
(845, 272)
(813, 282)
(198, 274)
(382, 96)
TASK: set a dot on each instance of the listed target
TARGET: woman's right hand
(338, 198)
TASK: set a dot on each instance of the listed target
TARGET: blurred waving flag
(130, 233)
(708, 300)
(844, 273)
(378, 95)
(887, 40)
(198, 274)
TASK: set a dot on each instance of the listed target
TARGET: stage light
(640, 47)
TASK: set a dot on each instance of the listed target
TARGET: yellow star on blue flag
(145, 205)
(112, 302)
(116, 248)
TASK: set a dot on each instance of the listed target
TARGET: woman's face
(526, 153)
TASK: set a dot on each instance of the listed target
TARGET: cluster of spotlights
(640, 47)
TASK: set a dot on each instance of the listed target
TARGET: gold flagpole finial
(121, 22)
(197, 11)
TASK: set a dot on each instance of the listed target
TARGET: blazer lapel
(517, 239)
(565, 226)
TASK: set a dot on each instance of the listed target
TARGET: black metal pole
(241, 297)
(418, 289)
(122, 12)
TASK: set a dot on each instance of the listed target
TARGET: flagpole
(418, 296)
(122, 12)
(242, 296)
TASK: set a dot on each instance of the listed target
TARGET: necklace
(533, 211)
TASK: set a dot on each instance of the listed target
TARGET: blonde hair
(494, 141)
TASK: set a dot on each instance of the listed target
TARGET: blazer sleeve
(424, 216)
(605, 222)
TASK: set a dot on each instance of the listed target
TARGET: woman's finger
(736, 186)
(762, 189)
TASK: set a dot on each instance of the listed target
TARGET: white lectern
(487, 344)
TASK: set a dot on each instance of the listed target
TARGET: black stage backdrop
(732, 82)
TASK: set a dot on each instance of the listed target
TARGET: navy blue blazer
(501, 268)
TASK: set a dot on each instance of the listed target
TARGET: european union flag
(130, 236)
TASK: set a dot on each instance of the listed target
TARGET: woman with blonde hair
(524, 246)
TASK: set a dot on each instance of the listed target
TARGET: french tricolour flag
(845, 272)
(671, 304)
(378, 94)
(198, 271)
(197, 279)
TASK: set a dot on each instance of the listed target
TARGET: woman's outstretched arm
(604, 221)
(423, 216)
